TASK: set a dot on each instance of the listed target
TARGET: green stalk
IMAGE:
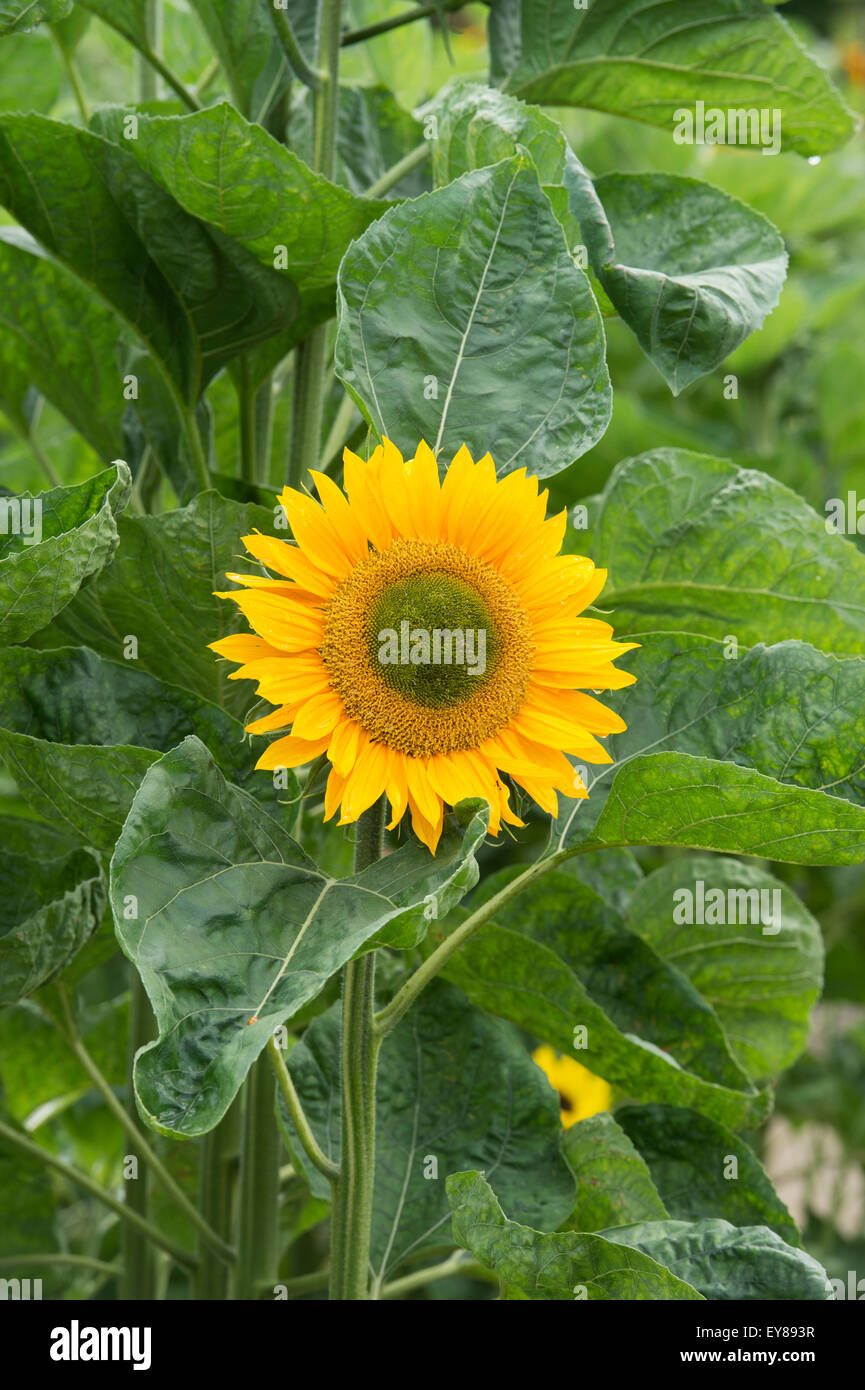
(216, 1192)
(61, 1258)
(351, 1220)
(311, 358)
(384, 26)
(148, 86)
(247, 421)
(258, 1225)
(398, 171)
(139, 1270)
(264, 407)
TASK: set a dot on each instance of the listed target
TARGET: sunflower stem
(139, 1267)
(353, 1188)
(311, 358)
(258, 1207)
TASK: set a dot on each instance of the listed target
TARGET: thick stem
(351, 1220)
(217, 1182)
(148, 85)
(139, 1270)
(257, 1220)
(311, 356)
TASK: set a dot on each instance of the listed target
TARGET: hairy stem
(258, 1205)
(307, 1139)
(351, 1221)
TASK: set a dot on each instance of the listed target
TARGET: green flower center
(432, 639)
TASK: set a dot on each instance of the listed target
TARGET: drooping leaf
(614, 1185)
(761, 965)
(233, 928)
(16, 16)
(727, 1262)
(690, 299)
(564, 1265)
(702, 1169)
(160, 589)
(463, 320)
(51, 543)
(48, 910)
(453, 1086)
(694, 543)
(651, 63)
(559, 960)
(78, 733)
(47, 317)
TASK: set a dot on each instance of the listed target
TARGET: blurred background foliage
(797, 412)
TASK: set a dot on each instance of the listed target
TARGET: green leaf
(236, 929)
(453, 1086)
(788, 711)
(17, 16)
(50, 544)
(128, 17)
(564, 1265)
(160, 588)
(697, 544)
(243, 39)
(650, 63)
(463, 320)
(78, 733)
(48, 910)
(691, 299)
(28, 1206)
(614, 1186)
(689, 1157)
(725, 1262)
(562, 959)
(761, 966)
(47, 315)
(259, 203)
(676, 799)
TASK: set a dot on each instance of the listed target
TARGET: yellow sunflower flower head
(581, 1093)
(426, 635)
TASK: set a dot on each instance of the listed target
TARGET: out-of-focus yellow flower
(581, 1093)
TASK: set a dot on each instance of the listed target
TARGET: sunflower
(425, 635)
(581, 1093)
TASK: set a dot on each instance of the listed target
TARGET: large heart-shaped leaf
(51, 543)
(78, 733)
(563, 1265)
(697, 544)
(700, 1168)
(755, 951)
(787, 711)
(453, 1087)
(561, 964)
(650, 62)
(463, 320)
(233, 928)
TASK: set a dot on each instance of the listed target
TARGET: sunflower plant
(403, 809)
